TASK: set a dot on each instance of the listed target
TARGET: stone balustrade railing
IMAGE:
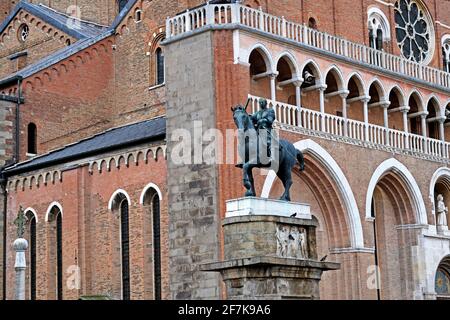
(355, 131)
(223, 14)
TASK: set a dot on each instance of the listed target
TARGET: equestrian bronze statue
(259, 148)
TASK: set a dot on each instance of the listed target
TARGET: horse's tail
(301, 160)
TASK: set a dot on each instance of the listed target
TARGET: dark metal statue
(20, 223)
(258, 148)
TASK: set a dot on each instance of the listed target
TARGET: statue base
(270, 251)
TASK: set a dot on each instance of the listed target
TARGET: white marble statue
(294, 243)
(442, 212)
(282, 241)
(303, 244)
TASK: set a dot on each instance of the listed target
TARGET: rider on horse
(263, 121)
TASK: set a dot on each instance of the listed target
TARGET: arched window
(119, 204)
(379, 30)
(56, 251)
(151, 202)
(122, 4)
(312, 23)
(32, 138)
(32, 253)
(125, 246)
(159, 66)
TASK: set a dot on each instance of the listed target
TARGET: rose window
(414, 31)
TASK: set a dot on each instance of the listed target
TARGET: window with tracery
(413, 29)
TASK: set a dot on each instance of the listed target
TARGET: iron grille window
(33, 258)
(159, 66)
(157, 246)
(59, 258)
(125, 242)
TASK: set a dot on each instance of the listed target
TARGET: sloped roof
(88, 35)
(79, 30)
(109, 140)
(54, 58)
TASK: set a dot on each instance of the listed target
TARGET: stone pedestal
(270, 251)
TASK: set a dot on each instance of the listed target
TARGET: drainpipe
(17, 146)
(3, 183)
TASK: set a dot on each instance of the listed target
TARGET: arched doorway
(442, 280)
(394, 203)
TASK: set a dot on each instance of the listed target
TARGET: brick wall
(103, 12)
(5, 8)
(91, 231)
(43, 40)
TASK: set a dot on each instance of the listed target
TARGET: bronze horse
(284, 154)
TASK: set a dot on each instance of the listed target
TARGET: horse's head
(241, 118)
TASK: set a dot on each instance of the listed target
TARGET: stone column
(20, 246)
(441, 128)
(385, 106)
(405, 111)
(273, 87)
(322, 89)
(344, 96)
(298, 100)
(423, 118)
(365, 101)
(423, 124)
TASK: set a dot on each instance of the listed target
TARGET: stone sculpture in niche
(292, 242)
(442, 212)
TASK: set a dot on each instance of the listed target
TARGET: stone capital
(366, 99)
(405, 109)
(385, 104)
(273, 75)
(344, 94)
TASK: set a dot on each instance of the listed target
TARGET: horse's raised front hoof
(302, 167)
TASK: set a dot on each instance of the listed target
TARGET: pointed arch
(353, 217)
(33, 212)
(315, 69)
(395, 166)
(436, 103)
(118, 194)
(291, 61)
(265, 54)
(50, 207)
(147, 187)
(379, 87)
(355, 83)
(440, 175)
(338, 75)
(418, 98)
(399, 93)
